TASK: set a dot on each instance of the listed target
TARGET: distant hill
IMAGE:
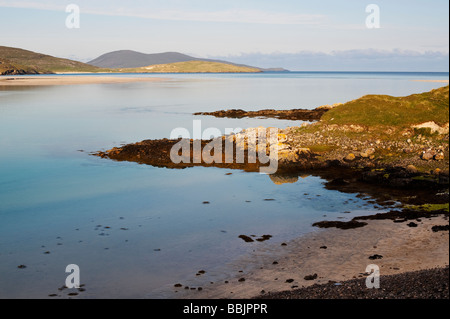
(192, 67)
(133, 59)
(19, 61)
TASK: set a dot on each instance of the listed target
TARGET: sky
(413, 35)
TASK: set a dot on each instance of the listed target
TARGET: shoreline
(280, 270)
(358, 155)
(12, 81)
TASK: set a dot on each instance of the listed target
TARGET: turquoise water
(56, 198)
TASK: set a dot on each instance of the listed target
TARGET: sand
(68, 80)
(402, 248)
(433, 81)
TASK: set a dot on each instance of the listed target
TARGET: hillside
(31, 62)
(132, 59)
(384, 110)
(192, 67)
(9, 68)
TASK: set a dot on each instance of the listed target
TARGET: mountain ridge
(134, 59)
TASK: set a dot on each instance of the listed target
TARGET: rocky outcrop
(294, 114)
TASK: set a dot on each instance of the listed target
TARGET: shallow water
(56, 198)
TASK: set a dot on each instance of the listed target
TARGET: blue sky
(300, 35)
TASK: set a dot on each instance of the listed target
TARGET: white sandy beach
(346, 257)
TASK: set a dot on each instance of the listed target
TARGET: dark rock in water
(264, 238)
(311, 277)
(241, 280)
(246, 238)
(205, 203)
(294, 114)
(341, 225)
(178, 285)
(440, 228)
(375, 257)
(21, 266)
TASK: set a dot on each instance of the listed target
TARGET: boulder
(411, 169)
(428, 155)
(350, 157)
(439, 156)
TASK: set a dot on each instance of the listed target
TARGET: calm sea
(135, 230)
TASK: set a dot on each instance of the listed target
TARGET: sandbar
(69, 80)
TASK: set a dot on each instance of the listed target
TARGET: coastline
(363, 158)
(9, 81)
(277, 269)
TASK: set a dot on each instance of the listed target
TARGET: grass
(192, 67)
(430, 207)
(384, 110)
(42, 63)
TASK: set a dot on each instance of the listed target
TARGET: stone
(411, 169)
(311, 277)
(350, 157)
(427, 155)
(367, 153)
(282, 138)
(439, 156)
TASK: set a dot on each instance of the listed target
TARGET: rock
(411, 169)
(438, 228)
(408, 150)
(428, 155)
(282, 138)
(287, 155)
(439, 156)
(367, 152)
(350, 157)
(246, 238)
(436, 172)
(311, 277)
(434, 128)
(376, 256)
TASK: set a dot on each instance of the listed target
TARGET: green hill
(19, 61)
(384, 110)
(193, 67)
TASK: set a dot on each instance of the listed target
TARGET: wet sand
(68, 80)
(335, 255)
